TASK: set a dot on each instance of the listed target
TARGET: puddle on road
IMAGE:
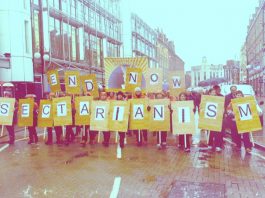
(78, 155)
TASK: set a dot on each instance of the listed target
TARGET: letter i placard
(246, 114)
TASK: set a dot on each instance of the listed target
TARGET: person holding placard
(215, 138)
(69, 135)
(58, 129)
(138, 94)
(182, 139)
(33, 137)
(106, 134)
(163, 134)
(246, 138)
(11, 128)
(120, 96)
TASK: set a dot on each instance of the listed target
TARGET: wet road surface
(73, 171)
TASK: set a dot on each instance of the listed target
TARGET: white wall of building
(16, 39)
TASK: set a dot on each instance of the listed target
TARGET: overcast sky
(212, 28)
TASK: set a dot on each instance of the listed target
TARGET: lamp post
(42, 60)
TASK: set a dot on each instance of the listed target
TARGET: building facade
(66, 34)
(205, 71)
(167, 58)
(232, 71)
(255, 43)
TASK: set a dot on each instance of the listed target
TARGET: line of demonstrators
(89, 136)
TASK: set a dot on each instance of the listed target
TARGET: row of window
(143, 47)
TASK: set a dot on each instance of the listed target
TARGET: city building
(139, 39)
(167, 58)
(66, 34)
(255, 43)
(205, 72)
(232, 71)
(188, 79)
(243, 65)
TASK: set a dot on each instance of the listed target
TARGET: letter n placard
(99, 120)
(246, 114)
(133, 79)
(211, 113)
(72, 82)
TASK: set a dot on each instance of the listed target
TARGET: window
(36, 32)
(73, 43)
(27, 43)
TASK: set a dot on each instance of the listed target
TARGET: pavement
(94, 171)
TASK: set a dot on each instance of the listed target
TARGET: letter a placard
(6, 111)
(25, 112)
(119, 116)
(90, 85)
(62, 111)
(211, 113)
(139, 116)
(154, 77)
(246, 114)
(45, 118)
(183, 120)
(160, 115)
(53, 80)
(99, 120)
(133, 79)
(83, 110)
(72, 82)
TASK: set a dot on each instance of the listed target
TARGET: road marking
(116, 187)
(4, 147)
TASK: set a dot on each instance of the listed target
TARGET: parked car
(247, 91)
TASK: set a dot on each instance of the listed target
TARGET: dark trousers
(85, 134)
(238, 137)
(11, 132)
(78, 130)
(215, 139)
(182, 140)
(122, 137)
(58, 133)
(33, 134)
(163, 137)
(143, 134)
(69, 136)
(106, 136)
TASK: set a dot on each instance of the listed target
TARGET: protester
(215, 137)
(218, 93)
(106, 134)
(246, 139)
(58, 129)
(120, 97)
(11, 129)
(138, 95)
(33, 137)
(69, 135)
(162, 134)
(87, 130)
(228, 121)
(183, 97)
